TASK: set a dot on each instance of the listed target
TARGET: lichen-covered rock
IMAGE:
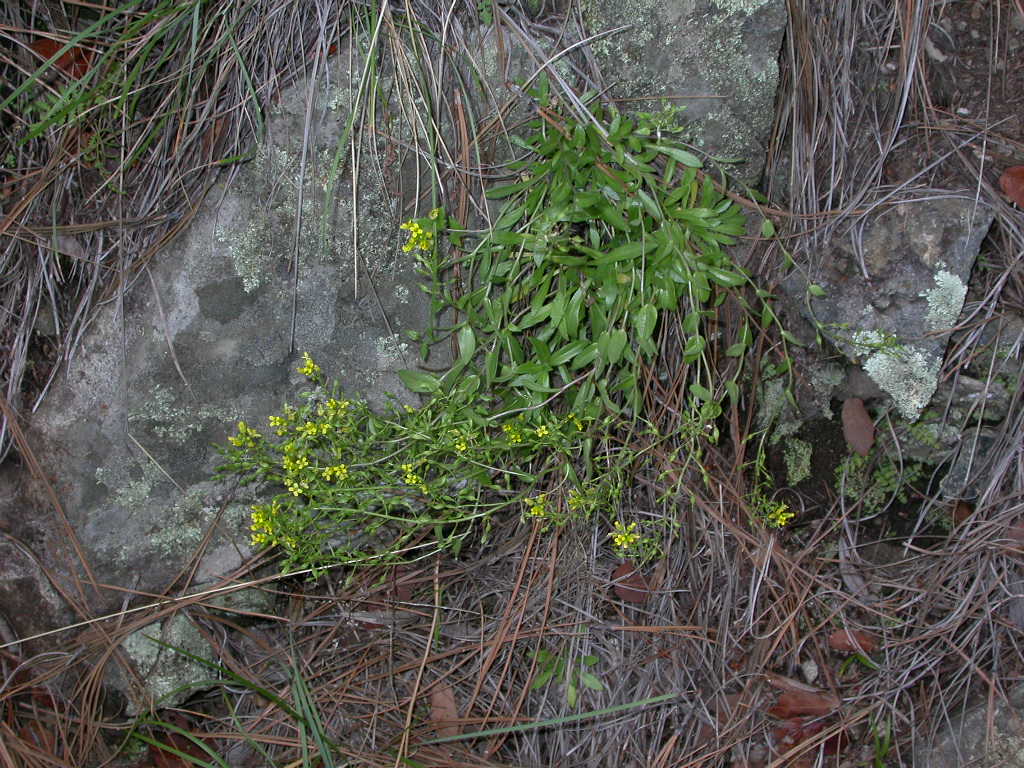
(212, 333)
(987, 735)
(893, 290)
(718, 58)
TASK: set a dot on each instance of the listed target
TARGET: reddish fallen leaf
(1012, 184)
(443, 709)
(858, 428)
(790, 733)
(803, 703)
(402, 589)
(853, 641)
(629, 584)
(1015, 531)
(74, 62)
(961, 511)
(164, 758)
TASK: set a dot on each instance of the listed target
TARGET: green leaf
(585, 356)
(571, 321)
(623, 252)
(613, 218)
(732, 390)
(725, 277)
(736, 350)
(616, 344)
(701, 393)
(650, 205)
(507, 190)
(467, 344)
(644, 320)
(693, 349)
(419, 381)
(679, 155)
(815, 290)
(589, 680)
(767, 228)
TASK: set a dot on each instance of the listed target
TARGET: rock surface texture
(210, 334)
(894, 288)
(717, 58)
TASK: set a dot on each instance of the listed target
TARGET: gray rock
(204, 339)
(165, 677)
(965, 741)
(720, 56)
(895, 289)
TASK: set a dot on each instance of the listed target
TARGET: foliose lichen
(910, 378)
(945, 300)
(797, 456)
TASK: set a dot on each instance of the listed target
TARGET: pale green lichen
(173, 422)
(130, 492)
(746, 7)
(390, 349)
(824, 381)
(797, 456)
(251, 253)
(164, 670)
(945, 300)
(909, 378)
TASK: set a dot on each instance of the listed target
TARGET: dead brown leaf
(803, 704)
(1012, 184)
(443, 709)
(858, 428)
(629, 584)
(853, 641)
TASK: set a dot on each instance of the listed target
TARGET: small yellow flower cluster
(512, 433)
(624, 536)
(543, 431)
(575, 500)
(295, 480)
(334, 407)
(280, 425)
(535, 506)
(411, 478)
(294, 464)
(461, 442)
(338, 472)
(246, 437)
(418, 237)
(263, 524)
(312, 429)
(777, 514)
(309, 369)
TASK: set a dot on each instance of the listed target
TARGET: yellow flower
(535, 506)
(777, 515)
(246, 437)
(512, 433)
(624, 536)
(338, 472)
(543, 431)
(419, 238)
(575, 500)
(411, 478)
(309, 369)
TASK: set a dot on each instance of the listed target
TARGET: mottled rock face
(891, 299)
(212, 333)
(290, 255)
(718, 58)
